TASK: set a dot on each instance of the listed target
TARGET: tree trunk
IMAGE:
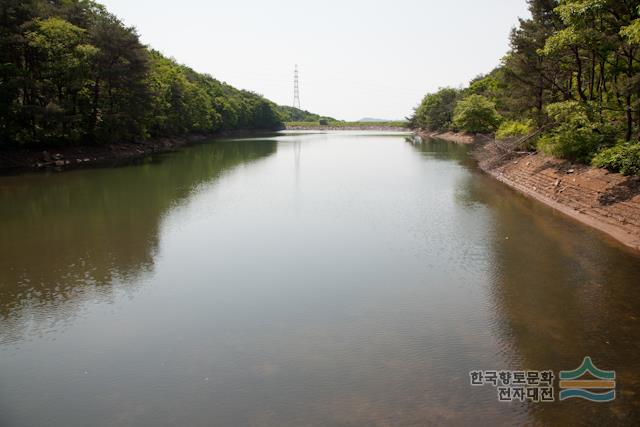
(627, 97)
(629, 113)
(579, 75)
(93, 121)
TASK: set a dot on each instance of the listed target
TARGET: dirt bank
(16, 160)
(609, 202)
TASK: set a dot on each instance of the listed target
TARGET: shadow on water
(70, 237)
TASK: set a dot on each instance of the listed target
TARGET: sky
(356, 58)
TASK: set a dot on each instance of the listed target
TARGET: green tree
(62, 71)
(476, 114)
(578, 133)
(119, 95)
(435, 112)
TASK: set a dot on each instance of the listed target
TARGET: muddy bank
(18, 159)
(609, 202)
(367, 127)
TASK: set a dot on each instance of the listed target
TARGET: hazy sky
(357, 58)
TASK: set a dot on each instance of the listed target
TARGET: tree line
(570, 81)
(71, 72)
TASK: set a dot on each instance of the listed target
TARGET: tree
(578, 134)
(435, 112)
(533, 79)
(119, 94)
(59, 72)
(476, 114)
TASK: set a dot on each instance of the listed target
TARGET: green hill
(292, 114)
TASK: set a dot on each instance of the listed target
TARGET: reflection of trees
(559, 292)
(68, 235)
(439, 149)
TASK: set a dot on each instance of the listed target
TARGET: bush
(577, 135)
(514, 128)
(623, 158)
(476, 114)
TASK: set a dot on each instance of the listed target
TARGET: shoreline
(17, 160)
(332, 128)
(457, 137)
(606, 201)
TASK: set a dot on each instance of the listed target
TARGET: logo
(538, 386)
(572, 386)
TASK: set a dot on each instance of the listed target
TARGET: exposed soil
(609, 202)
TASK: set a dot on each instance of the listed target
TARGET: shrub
(577, 135)
(514, 128)
(476, 114)
(623, 158)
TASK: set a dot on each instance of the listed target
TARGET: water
(346, 278)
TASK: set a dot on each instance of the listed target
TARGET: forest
(73, 73)
(569, 86)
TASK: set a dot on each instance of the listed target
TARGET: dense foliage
(514, 129)
(577, 134)
(573, 72)
(72, 72)
(623, 158)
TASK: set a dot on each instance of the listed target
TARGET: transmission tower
(296, 90)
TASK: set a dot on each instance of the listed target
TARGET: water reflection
(559, 291)
(350, 279)
(72, 237)
(438, 149)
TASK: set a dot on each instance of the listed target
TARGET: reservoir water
(332, 278)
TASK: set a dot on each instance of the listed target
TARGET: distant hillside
(292, 114)
(372, 119)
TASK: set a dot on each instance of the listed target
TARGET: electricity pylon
(296, 90)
